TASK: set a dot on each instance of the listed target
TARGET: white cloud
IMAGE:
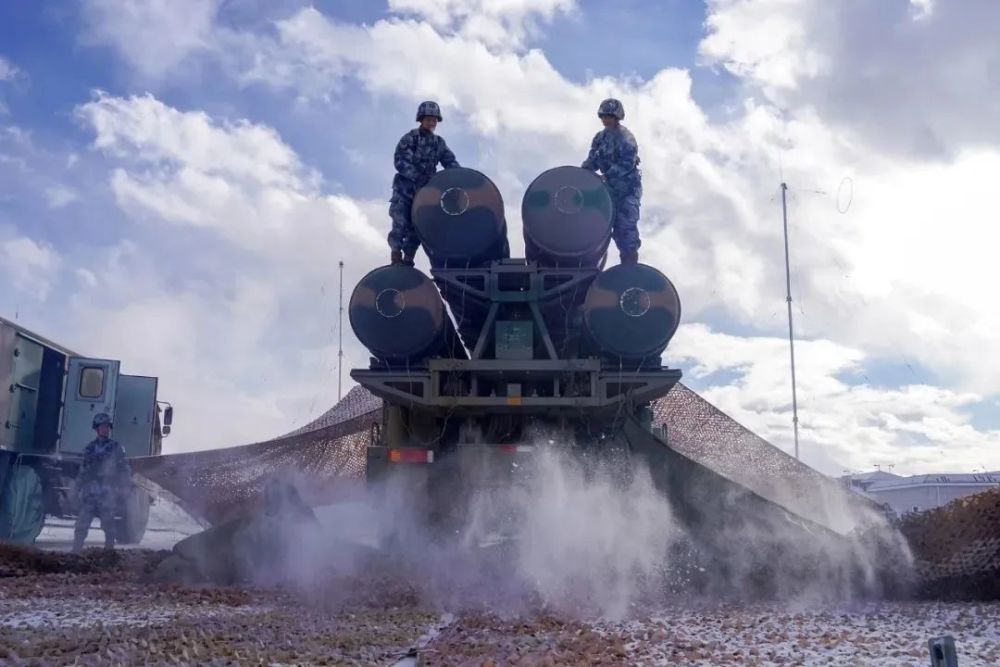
(241, 334)
(504, 24)
(238, 179)
(87, 277)
(154, 36)
(763, 41)
(314, 53)
(143, 127)
(37, 173)
(922, 8)
(917, 428)
(914, 77)
(8, 71)
(28, 266)
(59, 196)
(241, 360)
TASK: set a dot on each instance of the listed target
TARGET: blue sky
(632, 37)
(180, 179)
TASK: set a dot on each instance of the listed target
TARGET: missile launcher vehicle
(551, 350)
(549, 347)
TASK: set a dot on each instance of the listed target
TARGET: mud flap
(398, 492)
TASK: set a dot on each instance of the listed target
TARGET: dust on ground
(100, 608)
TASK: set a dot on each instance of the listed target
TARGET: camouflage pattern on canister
(459, 218)
(567, 213)
(397, 313)
(631, 312)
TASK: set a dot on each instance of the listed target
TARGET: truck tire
(135, 517)
(22, 504)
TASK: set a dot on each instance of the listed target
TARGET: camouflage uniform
(104, 479)
(417, 156)
(615, 152)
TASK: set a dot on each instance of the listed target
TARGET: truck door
(91, 385)
(25, 381)
(135, 413)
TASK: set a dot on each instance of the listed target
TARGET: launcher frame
(549, 385)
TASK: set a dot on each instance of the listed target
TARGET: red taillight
(411, 455)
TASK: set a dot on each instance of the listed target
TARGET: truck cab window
(92, 382)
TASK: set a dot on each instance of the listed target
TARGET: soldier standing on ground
(103, 482)
(417, 155)
(615, 153)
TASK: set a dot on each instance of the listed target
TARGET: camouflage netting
(953, 546)
(329, 457)
(957, 547)
(326, 458)
(706, 435)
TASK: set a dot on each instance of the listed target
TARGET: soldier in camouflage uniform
(417, 155)
(615, 153)
(103, 482)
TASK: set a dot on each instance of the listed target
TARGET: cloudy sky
(179, 178)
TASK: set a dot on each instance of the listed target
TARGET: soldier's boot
(630, 257)
(110, 528)
(396, 258)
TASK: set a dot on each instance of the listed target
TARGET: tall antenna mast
(791, 337)
(340, 331)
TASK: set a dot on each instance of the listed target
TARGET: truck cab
(48, 398)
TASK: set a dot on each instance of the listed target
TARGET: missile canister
(567, 213)
(631, 312)
(397, 313)
(459, 218)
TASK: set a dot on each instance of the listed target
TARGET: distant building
(919, 493)
(862, 481)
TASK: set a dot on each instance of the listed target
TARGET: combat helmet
(101, 418)
(429, 108)
(611, 107)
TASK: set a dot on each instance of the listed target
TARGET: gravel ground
(887, 634)
(97, 609)
(877, 634)
(60, 609)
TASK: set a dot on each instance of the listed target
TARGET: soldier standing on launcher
(416, 159)
(104, 480)
(615, 153)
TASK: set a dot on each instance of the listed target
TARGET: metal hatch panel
(91, 387)
(135, 414)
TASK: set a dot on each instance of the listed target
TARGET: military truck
(48, 398)
(555, 351)
(549, 347)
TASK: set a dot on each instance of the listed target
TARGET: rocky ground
(96, 608)
(57, 608)
(875, 635)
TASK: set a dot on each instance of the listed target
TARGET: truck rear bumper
(540, 386)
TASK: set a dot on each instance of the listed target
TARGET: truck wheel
(132, 524)
(22, 505)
